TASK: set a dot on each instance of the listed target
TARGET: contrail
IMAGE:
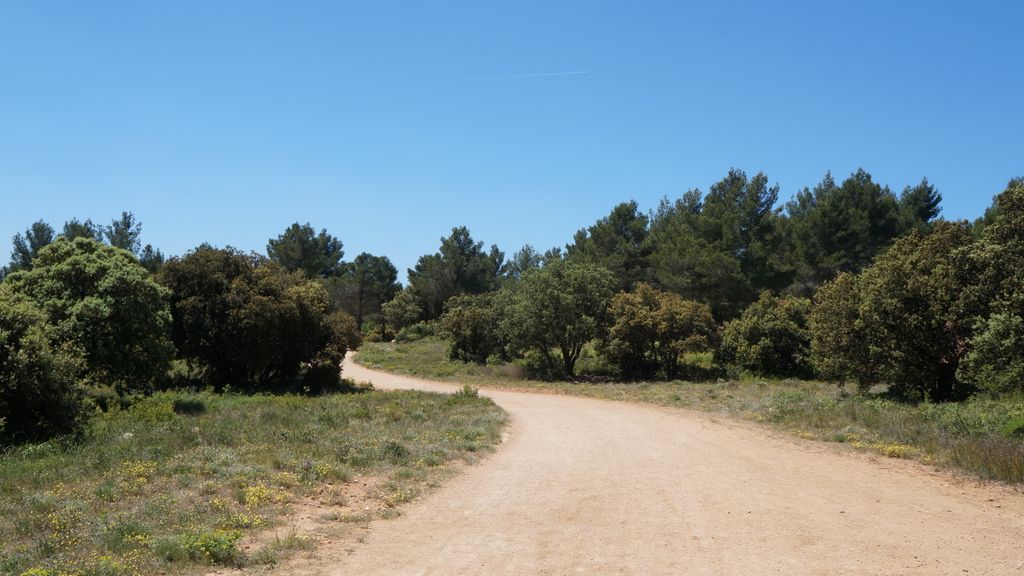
(537, 75)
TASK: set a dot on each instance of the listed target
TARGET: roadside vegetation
(179, 481)
(162, 415)
(982, 436)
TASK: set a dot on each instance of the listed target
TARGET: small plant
(1014, 428)
(466, 391)
(394, 452)
(215, 547)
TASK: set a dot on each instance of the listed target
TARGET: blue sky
(390, 122)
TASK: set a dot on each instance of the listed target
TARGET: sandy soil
(586, 486)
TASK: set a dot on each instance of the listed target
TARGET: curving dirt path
(586, 486)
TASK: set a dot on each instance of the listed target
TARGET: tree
(526, 258)
(245, 322)
(770, 338)
(75, 228)
(841, 228)
(992, 295)
(617, 242)
(561, 306)
(460, 267)
(40, 395)
(470, 322)
(27, 246)
(651, 329)
(124, 233)
(100, 299)
(401, 311)
(151, 259)
(840, 345)
(906, 332)
(723, 248)
(995, 362)
(920, 205)
(363, 286)
(299, 247)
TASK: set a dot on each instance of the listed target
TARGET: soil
(585, 486)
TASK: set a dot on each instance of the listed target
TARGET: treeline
(848, 281)
(90, 318)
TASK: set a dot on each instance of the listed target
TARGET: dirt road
(587, 486)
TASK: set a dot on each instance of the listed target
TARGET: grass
(178, 481)
(983, 437)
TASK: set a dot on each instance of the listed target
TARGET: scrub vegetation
(179, 481)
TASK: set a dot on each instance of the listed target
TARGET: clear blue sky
(389, 122)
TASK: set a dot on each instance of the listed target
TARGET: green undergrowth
(983, 437)
(172, 484)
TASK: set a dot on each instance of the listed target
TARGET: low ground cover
(982, 436)
(180, 481)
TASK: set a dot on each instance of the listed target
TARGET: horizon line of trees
(765, 275)
(847, 281)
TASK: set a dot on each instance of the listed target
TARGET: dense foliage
(100, 299)
(651, 329)
(770, 338)
(300, 248)
(936, 316)
(460, 266)
(245, 322)
(363, 286)
(930, 309)
(470, 322)
(40, 393)
(558, 308)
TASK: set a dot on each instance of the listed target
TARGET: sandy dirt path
(586, 486)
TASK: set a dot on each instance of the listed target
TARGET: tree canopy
(100, 298)
(301, 248)
(460, 266)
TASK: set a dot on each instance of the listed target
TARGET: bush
(213, 547)
(102, 300)
(770, 338)
(996, 360)
(471, 325)
(243, 321)
(402, 311)
(992, 299)
(900, 326)
(651, 329)
(416, 331)
(838, 335)
(40, 396)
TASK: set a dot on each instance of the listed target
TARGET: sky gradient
(388, 123)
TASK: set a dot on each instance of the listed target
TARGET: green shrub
(996, 360)
(40, 396)
(401, 311)
(244, 322)
(470, 322)
(215, 547)
(1014, 428)
(651, 330)
(771, 337)
(838, 336)
(102, 300)
(416, 331)
(897, 321)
